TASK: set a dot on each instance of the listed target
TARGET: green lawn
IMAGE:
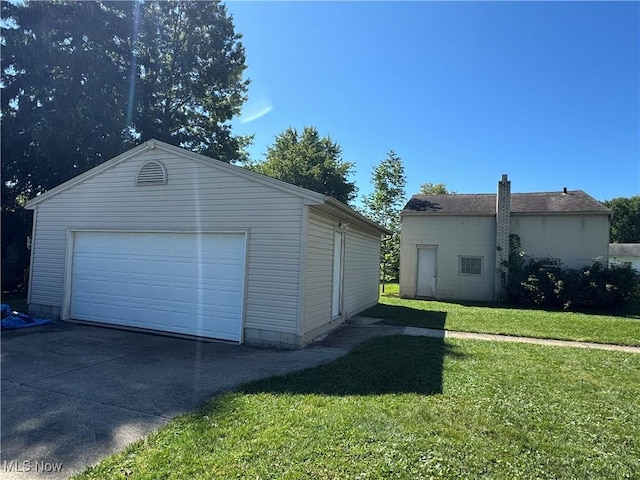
(621, 327)
(412, 407)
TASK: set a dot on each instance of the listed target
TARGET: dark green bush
(541, 282)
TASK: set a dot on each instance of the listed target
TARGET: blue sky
(463, 92)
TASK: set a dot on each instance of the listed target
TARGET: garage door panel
(228, 271)
(182, 283)
(183, 270)
(119, 311)
(119, 290)
(228, 301)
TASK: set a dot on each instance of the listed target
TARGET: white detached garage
(164, 239)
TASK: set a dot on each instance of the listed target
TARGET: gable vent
(151, 173)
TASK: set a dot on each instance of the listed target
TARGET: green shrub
(541, 282)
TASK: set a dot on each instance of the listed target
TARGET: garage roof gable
(311, 198)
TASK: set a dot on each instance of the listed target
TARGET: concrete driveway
(72, 394)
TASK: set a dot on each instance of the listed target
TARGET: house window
(470, 265)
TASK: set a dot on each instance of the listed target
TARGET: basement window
(470, 265)
(151, 173)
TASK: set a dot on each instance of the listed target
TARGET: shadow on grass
(427, 318)
(383, 365)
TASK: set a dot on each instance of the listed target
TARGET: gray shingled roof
(574, 201)
(624, 249)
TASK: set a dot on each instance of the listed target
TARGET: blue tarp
(12, 320)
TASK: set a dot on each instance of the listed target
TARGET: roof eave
(350, 213)
(157, 144)
(411, 213)
(30, 204)
(524, 214)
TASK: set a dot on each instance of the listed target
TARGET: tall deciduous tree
(188, 64)
(433, 189)
(383, 206)
(84, 81)
(625, 219)
(63, 97)
(309, 161)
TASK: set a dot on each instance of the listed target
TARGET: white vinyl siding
(361, 252)
(336, 277)
(361, 271)
(196, 198)
(318, 287)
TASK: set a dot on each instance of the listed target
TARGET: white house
(164, 239)
(452, 245)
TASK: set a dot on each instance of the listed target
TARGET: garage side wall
(319, 274)
(360, 273)
(197, 197)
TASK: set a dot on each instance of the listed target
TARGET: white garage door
(182, 283)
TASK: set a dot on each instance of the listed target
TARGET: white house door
(426, 284)
(337, 274)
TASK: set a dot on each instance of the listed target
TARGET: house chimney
(503, 221)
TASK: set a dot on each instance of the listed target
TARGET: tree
(188, 83)
(85, 81)
(625, 219)
(383, 206)
(311, 162)
(62, 96)
(433, 189)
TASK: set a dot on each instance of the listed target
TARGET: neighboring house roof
(323, 202)
(624, 249)
(575, 201)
